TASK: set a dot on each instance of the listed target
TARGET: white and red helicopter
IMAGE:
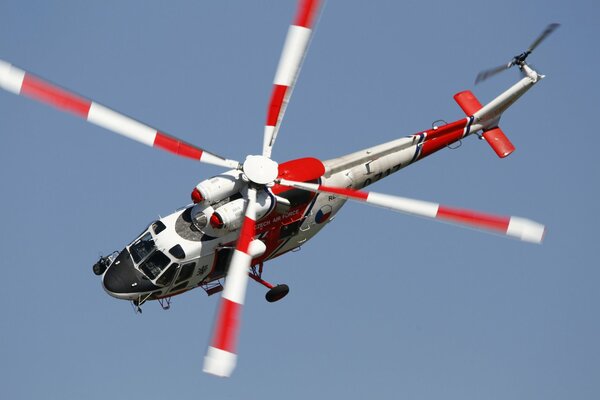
(260, 209)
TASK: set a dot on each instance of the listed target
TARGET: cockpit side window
(167, 276)
(186, 271)
(158, 227)
(142, 247)
(155, 264)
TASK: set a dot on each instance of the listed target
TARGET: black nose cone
(122, 277)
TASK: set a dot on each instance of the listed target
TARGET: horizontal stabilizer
(498, 142)
(494, 136)
(468, 102)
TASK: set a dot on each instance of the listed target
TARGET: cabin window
(223, 256)
(167, 277)
(155, 264)
(158, 227)
(177, 252)
(186, 271)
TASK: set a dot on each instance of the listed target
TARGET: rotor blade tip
(219, 362)
(526, 230)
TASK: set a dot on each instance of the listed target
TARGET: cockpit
(145, 267)
(142, 247)
(153, 263)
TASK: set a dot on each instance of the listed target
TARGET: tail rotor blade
(519, 228)
(518, 59)
(20, 82)
(549, 29)
(221, 357)
(292, 56)
(488, 73)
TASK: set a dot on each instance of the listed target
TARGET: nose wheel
(276, 292)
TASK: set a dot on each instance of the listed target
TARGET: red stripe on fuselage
(55, 96)
(473, 218)
(178, 147)
(275, 104)
(227, 326)
(306, 13)
(441, 137)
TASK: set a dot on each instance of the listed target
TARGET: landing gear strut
(276, 292)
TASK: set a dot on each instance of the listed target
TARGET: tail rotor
(518, 60)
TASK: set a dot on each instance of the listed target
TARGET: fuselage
(183, 251)
(191, 247)
(173, 256)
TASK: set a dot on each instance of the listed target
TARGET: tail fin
(494, 135)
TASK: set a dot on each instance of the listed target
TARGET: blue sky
(381, 304)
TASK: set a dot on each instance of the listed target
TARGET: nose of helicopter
(123, 281)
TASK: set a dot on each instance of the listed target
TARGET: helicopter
(260, 209)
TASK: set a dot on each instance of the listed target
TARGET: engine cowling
(231, 215)
(218, 187)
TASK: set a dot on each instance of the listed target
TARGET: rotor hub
(260, 169)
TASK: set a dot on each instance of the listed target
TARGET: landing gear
(165, 303)
(276, 292)
(137, 306)
(137, 303)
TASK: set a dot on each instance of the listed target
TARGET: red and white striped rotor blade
(20, 82)
(292, 56)
(221, 356)
(519, 228)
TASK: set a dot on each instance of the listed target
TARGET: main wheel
(277, 293)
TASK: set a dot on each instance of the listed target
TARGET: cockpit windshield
(155, 264)
(151, 261)
(142, 247)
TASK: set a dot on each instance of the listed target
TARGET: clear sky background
(381, 304)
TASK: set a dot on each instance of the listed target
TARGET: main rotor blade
(221, 356)
(549, 29)
(292, 56)
(519, 228)
(20, 82)
(488, 73)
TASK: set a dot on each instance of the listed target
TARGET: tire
(277, 293)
